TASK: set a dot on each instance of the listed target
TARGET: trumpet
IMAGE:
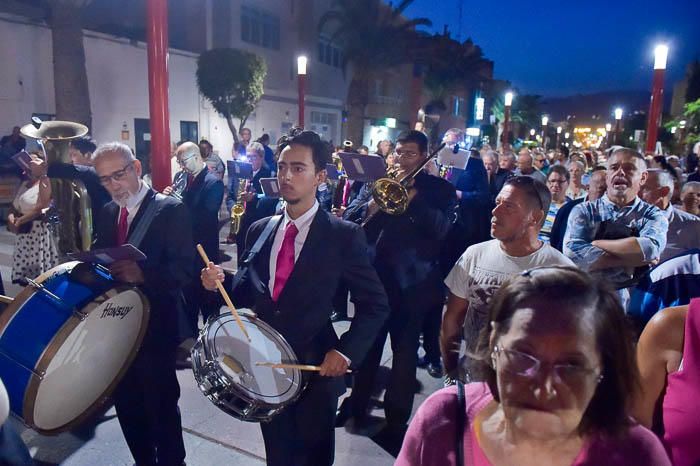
(390, 194)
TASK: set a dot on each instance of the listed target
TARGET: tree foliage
(526, 109)
(232, 80)
(693, 92)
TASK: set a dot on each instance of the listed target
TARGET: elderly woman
(576, 187)
(560, 374)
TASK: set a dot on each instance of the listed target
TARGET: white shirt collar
(135, 201)
(304, 220)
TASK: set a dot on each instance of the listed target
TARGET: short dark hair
(608, 411)
(599, 168)
(415, 136)
(559, 170)
(536, 191)
(84, 145)
(264, 139)
(320, 149)
(204, 141)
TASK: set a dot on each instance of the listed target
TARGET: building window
(459, 106)
(189, 131)
(259, 27)
(329, 53)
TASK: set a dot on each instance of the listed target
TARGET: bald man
(203, 194)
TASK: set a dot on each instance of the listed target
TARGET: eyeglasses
(558, 181)
(184, 160)
(405, 153)
(539, 160)
(527, 366)
(117, 176)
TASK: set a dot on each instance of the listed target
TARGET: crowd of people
(522, 279)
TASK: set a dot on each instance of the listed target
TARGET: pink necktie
(285, 261)
(346, 193)
(122, 226)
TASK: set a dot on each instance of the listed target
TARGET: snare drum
(66, 343)
(253, 393)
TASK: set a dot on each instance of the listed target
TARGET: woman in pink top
(560, 375)
(668, 356)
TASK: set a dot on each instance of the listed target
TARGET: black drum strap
(248, 259)
(461, 422)
(141, 228)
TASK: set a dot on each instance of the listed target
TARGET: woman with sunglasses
(559, 373)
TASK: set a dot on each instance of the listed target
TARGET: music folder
(239, 169)
(448, 157)
(270, 187)
(22, 159)
(361, 167)
(332, 171)
(107, 256)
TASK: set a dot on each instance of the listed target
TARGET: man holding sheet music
(292, 267)
(146, 398)
(406, 256)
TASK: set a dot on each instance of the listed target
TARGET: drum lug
(42, 289)
(79, 314)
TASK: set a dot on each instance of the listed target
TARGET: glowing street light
(657, 96)
(508, 101)
(559, 128)
(301, 77)
(618, 118)
(545, 120)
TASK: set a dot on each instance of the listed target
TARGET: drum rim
(253, 318)
(57, 341)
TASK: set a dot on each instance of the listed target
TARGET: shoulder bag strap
(145, 222)
(461, 422)
(248, 259)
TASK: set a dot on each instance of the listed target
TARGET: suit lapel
(111, 211)
(262, 261)
(310, 254)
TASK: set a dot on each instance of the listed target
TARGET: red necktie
(346, 193)
(285, 261)
(122, 226)
(190, 180)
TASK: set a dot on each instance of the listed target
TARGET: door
(142, 139)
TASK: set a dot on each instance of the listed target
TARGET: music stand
(241, 170)
(361, 167)
(332, 171)
(270, 187)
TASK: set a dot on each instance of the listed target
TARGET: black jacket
(169, 258)
(99, 196)
(556, 236)
(407, 248)
(203, 200)
(334, 250)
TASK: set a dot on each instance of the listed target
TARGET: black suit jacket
(203, 200)
(334, 250)
(497, 181)
(556, 236)
(168, 265)
(407, 248)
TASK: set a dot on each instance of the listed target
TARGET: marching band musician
(406, 250)
(292, 281)
(203, 194)
(146, 397)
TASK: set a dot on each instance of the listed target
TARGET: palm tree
(372, 36)
(69, 72)
(525, 110)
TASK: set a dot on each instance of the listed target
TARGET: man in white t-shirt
(520, 211)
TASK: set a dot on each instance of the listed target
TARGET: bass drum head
(95, 352)
(274, 387)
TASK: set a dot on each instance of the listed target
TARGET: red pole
(157, 41)
(506, 125)
(657, 99)
(302, 92)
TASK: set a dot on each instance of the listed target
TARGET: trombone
(391, 195)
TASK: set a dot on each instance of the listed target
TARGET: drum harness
(248, 260)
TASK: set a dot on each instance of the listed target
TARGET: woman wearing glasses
(559, 367)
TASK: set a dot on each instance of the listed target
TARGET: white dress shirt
(303, 223)
(134, 203)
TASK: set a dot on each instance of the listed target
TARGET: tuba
(71, 213)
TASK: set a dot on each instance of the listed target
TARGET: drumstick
(301, 367)
(223, 292)
(6, 299)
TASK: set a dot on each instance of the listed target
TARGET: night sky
(560, 47)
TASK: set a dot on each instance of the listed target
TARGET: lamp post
(301, 75)
(545, 120)
(608, 130)
(558, 136)
(681, 126)
(618, 118)
(657, 95)
(508, 102)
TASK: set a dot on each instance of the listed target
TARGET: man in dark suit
(203, 194)
(146, 398)
(291, 282)
(496, 174)
(406, 251)
(255, 203)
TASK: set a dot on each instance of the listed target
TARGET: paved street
(211, 436)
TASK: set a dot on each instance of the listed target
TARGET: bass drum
(65, 345)
(224, 365)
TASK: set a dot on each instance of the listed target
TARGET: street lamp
(657, 95)
(508, 102)
(301, 75)
(618, 118)
(545, 120)
(559, 128)
(608, 130)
